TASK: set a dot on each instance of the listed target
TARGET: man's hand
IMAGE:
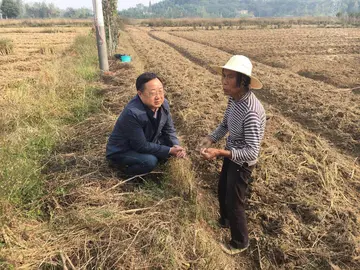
(209, 153)
(178, 151)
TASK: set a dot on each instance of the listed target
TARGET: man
(244, 120)
(144, 133)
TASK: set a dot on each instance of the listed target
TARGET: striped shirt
(245, 121)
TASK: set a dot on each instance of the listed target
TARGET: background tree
(41, 10)
(69, 13)
(111, 24)
(81, 13)
(10, 9)
(54, 11)
(231, 9)
(21, 8)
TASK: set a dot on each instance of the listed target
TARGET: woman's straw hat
(242, 64)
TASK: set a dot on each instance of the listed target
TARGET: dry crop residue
(303, 208)
(333, 53)
(316, 105)
(33, 47)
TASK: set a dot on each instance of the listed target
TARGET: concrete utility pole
(100, 35)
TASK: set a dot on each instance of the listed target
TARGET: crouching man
(144, 133)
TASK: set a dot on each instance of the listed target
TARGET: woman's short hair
(243, 80)
(144, 78)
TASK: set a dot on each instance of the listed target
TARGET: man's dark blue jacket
(136, 129)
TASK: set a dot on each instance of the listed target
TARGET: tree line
(195, 8)
(17, 9)
(242, 8)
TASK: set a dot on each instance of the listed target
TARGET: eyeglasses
(159, 93)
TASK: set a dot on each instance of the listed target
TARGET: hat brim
(255, 83)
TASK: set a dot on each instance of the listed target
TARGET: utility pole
(100, 35)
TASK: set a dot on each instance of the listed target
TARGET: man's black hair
(242, 79)
(144, 78)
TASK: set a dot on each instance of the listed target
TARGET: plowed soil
(303, 209)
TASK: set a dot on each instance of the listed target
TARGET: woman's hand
(209, 153)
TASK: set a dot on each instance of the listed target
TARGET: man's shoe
(229, 249)
(224, 223)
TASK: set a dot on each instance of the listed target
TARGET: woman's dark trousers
(232, 187)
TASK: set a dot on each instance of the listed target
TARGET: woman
(244, 120)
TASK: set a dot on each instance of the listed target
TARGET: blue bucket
(125, 58)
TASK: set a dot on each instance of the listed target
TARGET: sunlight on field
(63, 207)
(308, 73)
(330, 52)
(308, 171)
(32, 48)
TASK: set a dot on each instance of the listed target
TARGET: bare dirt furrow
(329, 56)
(315, 105)
(301, 185)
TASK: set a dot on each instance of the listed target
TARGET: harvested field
(320, 107)
(302, 209)
(33, 47)
(334, 53)
(300, 186)
(247, 23)
(45, 22)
